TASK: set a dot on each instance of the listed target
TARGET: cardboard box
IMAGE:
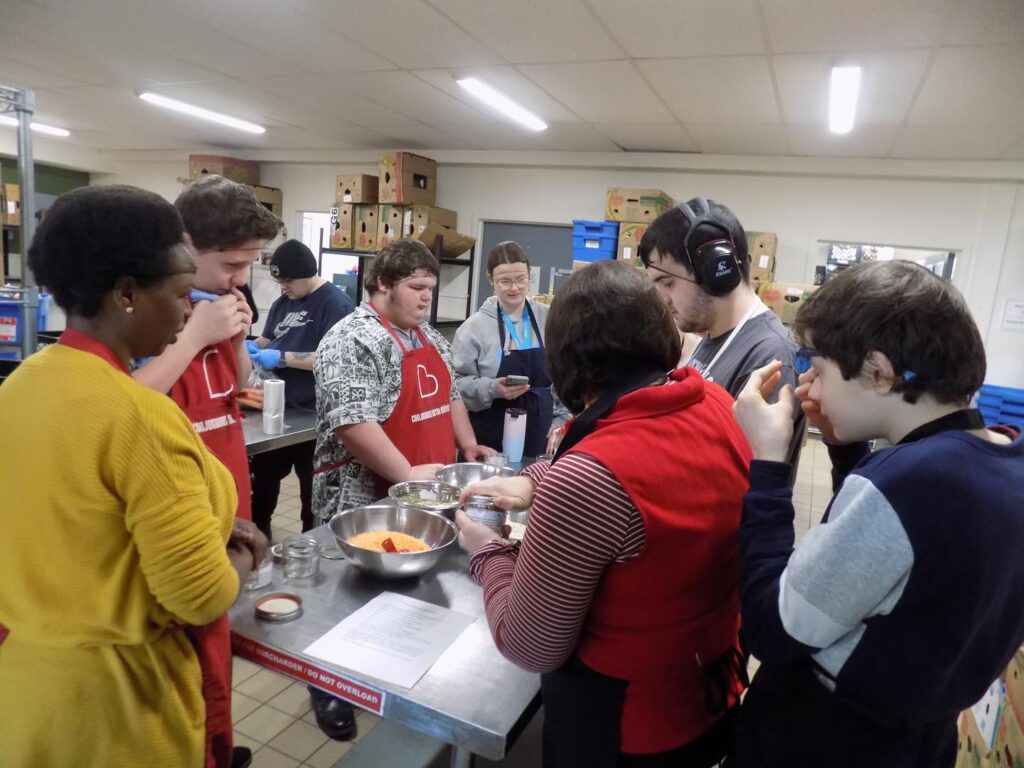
(630, 235)
(12, 205)
(242, 171)
(785, 299)
(636, 205)
(271, 197)
(342, 226)
(453, 244)
(761, 247)
(364, 237)
(407, 179)
(356, 188)
(419, 217)
(390, 224)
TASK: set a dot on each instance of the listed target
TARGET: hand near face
(812, 408)
(214, 321)
(246, 312)
(768, 427)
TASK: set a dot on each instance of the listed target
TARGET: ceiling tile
(421, 137)
(950, 141)
(732, 139)
(408, 33)
(986, 22)
(889, 82)
(533, 31)
(667, 137)
(601, 91)
(839, 26)
(330, 98)
(972, 86)
(655, 29)
(863, 141)
(412, 96)
(723, 89)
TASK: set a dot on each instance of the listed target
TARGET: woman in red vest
(624, 592)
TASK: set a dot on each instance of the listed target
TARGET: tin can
(481, 509)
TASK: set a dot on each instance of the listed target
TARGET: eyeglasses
(802, 359)
(507, 282)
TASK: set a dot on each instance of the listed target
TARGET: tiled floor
(273, 715)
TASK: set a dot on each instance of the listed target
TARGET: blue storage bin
(594, 240)
(1001, 405)
(11, 319)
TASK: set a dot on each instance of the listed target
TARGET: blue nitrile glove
(252, 347)
(267, 358)
(198, 295)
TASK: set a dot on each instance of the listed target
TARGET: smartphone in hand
(516, 381)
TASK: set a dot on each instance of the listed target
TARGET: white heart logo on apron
(422, 376)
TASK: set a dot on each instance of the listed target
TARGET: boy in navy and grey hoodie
(900, 610)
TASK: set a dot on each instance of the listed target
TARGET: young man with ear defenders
(696, 257)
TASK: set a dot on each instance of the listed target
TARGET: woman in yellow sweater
(114, 517)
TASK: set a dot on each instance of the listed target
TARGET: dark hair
(906, 312)
(507, 252)
(93, 236)
(605, 323)
(218, 213)
(397, 260)
(668, 232)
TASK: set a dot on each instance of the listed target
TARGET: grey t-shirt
(762, 338)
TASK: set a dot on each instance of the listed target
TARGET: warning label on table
(369, 699)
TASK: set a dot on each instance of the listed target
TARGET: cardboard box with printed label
(356, 188)
(407, 179)
(785, 299)
(761, 247)
(630, 235)
(12, 205)
(364, 237)
(271, 197)
(390, 224)
(636, 205)
(342, 226)
(419, 217)
(242, 171)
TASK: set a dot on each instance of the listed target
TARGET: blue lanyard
(524, 342)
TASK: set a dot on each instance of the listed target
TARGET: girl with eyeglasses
(504, 338)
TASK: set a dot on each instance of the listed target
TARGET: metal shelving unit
(362, 257)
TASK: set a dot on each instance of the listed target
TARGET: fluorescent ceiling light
(39, 127)
(842, 98)
(205, 114)
(502, 103)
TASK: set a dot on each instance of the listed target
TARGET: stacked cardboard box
(11, 199)
(242, 171)
(761, 247)
(397, 221)
(640, 206)
(342, 226)
(356, 188)
(630, 235)
(785, 299)
(271, 197)
(407, 179)
(364, 238)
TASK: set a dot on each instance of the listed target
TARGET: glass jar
(301, 555)
(481, 509)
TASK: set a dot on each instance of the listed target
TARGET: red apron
(420, 426)
(206, 393)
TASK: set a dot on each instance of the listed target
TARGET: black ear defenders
(714, 262)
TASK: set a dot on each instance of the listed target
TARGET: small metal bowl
(467, 473)
(432, 495)
(435, 531)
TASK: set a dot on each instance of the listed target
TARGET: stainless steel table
(299, 426)
(471, 698)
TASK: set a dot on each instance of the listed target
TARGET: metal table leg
(461, 757)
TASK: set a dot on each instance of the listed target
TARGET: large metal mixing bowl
(467, 473)
(433, 529)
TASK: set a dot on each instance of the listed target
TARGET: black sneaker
(336, 718)
(241, 757)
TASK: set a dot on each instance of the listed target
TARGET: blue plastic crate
(594, 240)
(1001, 405)
(11, 319)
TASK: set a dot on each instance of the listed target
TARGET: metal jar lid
(272, 607)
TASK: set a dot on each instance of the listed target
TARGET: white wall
(976, 209)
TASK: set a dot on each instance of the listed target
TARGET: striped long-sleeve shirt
(538, 594)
